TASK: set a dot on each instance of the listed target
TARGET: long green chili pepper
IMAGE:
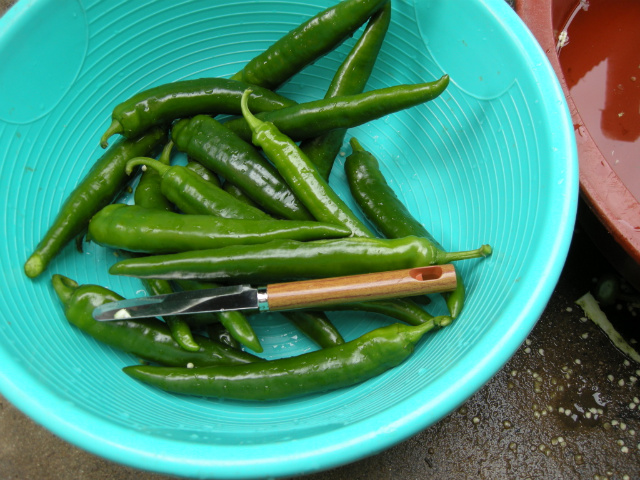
(350, 78)
(284, 260)
(317, 326)
(148, 339)
(402, 309)
(307, 42)
(159, 106)
(311, 119)
(235, 322)
(387, 212)
(146, 230)
(192, 194)
(301, 175)
(98, 188)
(222, 151)
(319, 371)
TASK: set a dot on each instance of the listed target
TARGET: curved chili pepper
(311, 119)
(350, 78)
(137, 229)
(284, 260)
(159, 106)
(236, 323)
(222, 151)
(307, 42)
(317, 326)
(300, 174)
(192, 194)
(148, 339)
(98, 188)
(387, 212)
(315, 372)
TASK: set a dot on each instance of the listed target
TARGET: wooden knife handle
(359, 288)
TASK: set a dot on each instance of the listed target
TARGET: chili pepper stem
(448, 257)
(252, 120)
(435, 322)
(149, 162)
(418, 331)
(63, 286)
(165, 156)
(115, 127)
(355, 145)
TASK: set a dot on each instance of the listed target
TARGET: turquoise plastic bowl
(492, 160)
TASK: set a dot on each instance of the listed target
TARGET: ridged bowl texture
(492, 160)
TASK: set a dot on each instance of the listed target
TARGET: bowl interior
(490, 161)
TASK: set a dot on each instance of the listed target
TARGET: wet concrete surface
(566, 406)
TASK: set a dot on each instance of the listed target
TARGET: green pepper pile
(253, 204)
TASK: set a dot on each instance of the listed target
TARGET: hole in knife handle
(423, 274)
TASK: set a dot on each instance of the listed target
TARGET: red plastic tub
(594, 47)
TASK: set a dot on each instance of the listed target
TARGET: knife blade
(287, 296)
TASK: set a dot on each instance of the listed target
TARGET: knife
(287, 296)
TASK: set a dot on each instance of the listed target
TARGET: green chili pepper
(284, 260)
(301, 175)
(159, 106)
(350, 78)
(222, 151)
(311, 119)
(98, 188)
(315, 372)
(385, 210)
(235, 322)
(148, 339)
(194, 195)
(148, 193)
(137, 229)
(402, 309)
(317, 326)
(307, 42)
